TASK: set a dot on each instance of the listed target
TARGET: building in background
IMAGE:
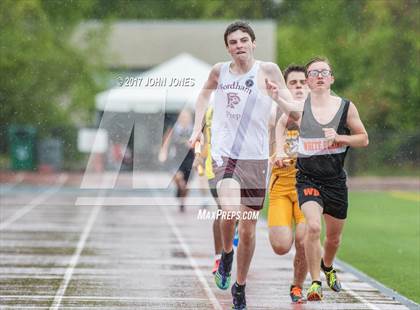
(136, 46)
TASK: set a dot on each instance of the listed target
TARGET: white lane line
(34, 202)
(28, 307)
(193, 262)
(358, 297)
(90, 298)
(69, 272)
(141, 201)
(6, 188)
(377, 286)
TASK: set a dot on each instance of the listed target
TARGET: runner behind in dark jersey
(177, 139)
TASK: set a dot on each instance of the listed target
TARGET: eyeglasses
(315, 73)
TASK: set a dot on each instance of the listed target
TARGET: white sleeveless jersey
(240, 118)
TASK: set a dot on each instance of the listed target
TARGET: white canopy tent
(137, 94)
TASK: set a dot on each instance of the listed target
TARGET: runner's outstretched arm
(276, 89)
(202, 103)
(163, 153)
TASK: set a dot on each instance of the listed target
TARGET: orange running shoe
(216, 266)
(296, 294)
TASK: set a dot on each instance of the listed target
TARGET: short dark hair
(318, 59)
(239, 25)
(293, 68)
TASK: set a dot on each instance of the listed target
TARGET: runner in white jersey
(240, 144)
(240, 125)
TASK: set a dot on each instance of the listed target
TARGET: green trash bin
(22, 147)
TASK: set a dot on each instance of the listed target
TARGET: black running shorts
(186, 166)
(331, 195)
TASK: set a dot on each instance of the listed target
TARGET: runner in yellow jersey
(284, 209)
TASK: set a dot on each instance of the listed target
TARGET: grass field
(382, 239)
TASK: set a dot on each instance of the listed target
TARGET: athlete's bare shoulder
(269, 68)
(213, 78)
(215, 70)
(353, 110)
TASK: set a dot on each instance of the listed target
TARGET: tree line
(373, 46)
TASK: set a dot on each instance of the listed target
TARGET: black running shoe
(239, 300)
(331, 276)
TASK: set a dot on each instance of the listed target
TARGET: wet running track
(66, 248)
